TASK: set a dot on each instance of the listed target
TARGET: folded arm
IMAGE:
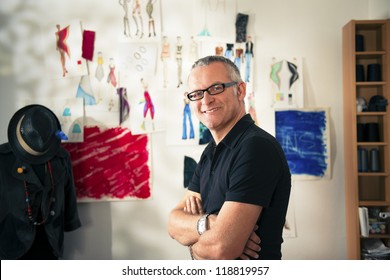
(229, 235)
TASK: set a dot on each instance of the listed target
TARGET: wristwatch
(202, 226)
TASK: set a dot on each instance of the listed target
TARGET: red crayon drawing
(110, 165)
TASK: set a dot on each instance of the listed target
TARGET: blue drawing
(303, 136)
(76, 128)
(67, 112)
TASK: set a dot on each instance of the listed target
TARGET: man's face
(217, 112)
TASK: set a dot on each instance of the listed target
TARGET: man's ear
(241, 90)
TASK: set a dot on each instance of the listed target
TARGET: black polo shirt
(247, 166)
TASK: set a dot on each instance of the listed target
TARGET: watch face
(201, 225)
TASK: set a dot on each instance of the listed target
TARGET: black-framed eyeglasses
(212, 90)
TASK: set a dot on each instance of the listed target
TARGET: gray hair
(233, 71)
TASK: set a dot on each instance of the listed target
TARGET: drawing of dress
(179, 60)
(148, 107)
(124, 107)
(84, 90)
(187, 115)
(248, 58)
(165, 54)
(137, 10)
(149, 11)
(229, 51)
(274, 75)
(99, 74)
(193, 49)
(294, 72)
(219, 50)
(111, 78)
(62, 35)
(239, 58)
(62, 47)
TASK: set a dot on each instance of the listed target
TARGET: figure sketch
(179, 60)
(126, 23)
(148, 106)
(62, 47)
(187, 116)
(138, 19)
(165, 54)
(149, 11)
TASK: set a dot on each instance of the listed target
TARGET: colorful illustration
(111, 165)
(138, 19)
(99, 73)
(304, 136)
(62, 47)
(124, 106)
(165, 54)
(88, 45)
(286, 83)
(84, 90)
(248, 58)
(187, 118)
(126, 23)
(149, 11)
(111, 77)
(179, 60)
(148, 107)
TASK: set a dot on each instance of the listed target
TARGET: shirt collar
(233, 136)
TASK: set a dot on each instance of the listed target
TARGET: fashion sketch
(126, 23)
(165, 54)
(62, 47)
(187, 118)
(148, 106)
(149, 11)
(137, 17)
(179, 60)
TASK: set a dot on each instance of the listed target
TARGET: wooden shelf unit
(365, 189)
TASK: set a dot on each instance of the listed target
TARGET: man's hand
(252, 246)
(193, 206)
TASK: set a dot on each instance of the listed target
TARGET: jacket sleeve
(71, 220)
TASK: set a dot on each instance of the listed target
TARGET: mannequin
(37, 191)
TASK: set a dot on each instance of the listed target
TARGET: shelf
(362, 114)
(361, 84)
(376, 236)
(378, 203)
(371, 143)
(373, 174)
(365, 189)
(371, 54)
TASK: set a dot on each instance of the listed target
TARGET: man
(37, 192)
(240, 189)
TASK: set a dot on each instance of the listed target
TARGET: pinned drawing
(286, 80)
(111, 165)
(148, 107)
(305, 139)
(149, 11)
(126, 23)
(62, 46)
(65, 58)
(187, 118)
(124, 106)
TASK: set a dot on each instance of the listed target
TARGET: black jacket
(17, 231)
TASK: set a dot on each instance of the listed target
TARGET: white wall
(310, 29)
